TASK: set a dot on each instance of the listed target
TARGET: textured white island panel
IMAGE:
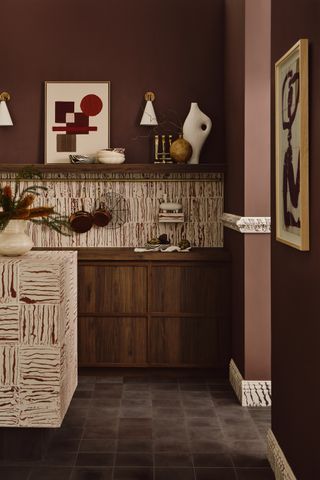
(38, 338)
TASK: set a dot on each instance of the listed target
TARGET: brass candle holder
(162, 144)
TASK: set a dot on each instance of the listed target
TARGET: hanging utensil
(81, 221)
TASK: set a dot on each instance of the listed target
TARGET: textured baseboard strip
(278, 461)
(251, 393)
(236, 380)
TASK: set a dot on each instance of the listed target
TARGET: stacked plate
(111, 155)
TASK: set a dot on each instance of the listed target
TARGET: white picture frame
(77, 119)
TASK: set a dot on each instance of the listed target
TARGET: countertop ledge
(127, 254)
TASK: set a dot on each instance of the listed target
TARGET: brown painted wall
(257, 277)
(296, 276)
(234, 192)
(173, 47)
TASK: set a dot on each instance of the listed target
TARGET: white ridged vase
(196, 128)
(13, 240)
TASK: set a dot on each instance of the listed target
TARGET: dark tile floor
(153, 428)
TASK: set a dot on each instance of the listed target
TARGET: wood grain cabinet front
(108, 289)
(113, 341)
(147, 313)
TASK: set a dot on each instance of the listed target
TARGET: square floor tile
(91, 473)
(212, 460)
(115, 379)
(60, 459)
(95, 459)
(135, 412)
(69, 433)
(174, 474)
(98, 445)
(68, 445)
(14, 473)
(135, 428)
(215, 474)
(137, 473)
(173, 460)
(255, 474)
(134, 445)
(248, 454)
(134, 460)
(199, 412)
(100, 432)
(171, 445)
(209, 446)
(168, 412)
(49, 473)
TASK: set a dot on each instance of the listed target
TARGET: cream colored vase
(13, 240)
(196, 128)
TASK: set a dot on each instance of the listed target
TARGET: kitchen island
(38, 338)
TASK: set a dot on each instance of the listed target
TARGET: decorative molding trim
(246, 224)
(277, 459)
(251, 393)
(236, 380)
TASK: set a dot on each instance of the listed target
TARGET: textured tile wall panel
(8, 282)
(9, 407)
(9, 323)
(39, 324)
(201, 197)
(8, 365)
(38, 338)
(39, 283)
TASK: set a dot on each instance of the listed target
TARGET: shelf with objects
(123, 168)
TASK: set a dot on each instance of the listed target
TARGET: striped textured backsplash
(201, 196)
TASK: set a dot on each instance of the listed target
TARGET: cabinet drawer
(189, 289)
(112, 289)
(183, 341)
(112, 341)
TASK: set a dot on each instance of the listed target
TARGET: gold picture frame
(292, 147)
(77, 119)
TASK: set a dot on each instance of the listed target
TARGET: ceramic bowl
(111, 159)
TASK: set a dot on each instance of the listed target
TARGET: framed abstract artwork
(77, 119)
(292, 147)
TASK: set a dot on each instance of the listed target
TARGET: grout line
(187, 430)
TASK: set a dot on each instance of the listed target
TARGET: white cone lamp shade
(5, 118)
(149, 116)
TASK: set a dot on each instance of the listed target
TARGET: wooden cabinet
(154, 310)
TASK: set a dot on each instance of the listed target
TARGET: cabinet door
(183, 341)
(112, 341)
(109, 289)
(193, 289)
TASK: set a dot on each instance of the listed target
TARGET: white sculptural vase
(13, 240)
(196, 129)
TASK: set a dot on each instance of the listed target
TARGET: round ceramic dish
(111, 159)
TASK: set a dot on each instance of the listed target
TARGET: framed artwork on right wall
(292, 147)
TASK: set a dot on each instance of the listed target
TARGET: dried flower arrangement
(18, 206)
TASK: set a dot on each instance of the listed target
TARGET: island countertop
(128, 254)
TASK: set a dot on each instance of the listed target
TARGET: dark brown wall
(173, 47)
(234, 191)
(296, 275)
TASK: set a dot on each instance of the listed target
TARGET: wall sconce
(5, 118)
(149, 117)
